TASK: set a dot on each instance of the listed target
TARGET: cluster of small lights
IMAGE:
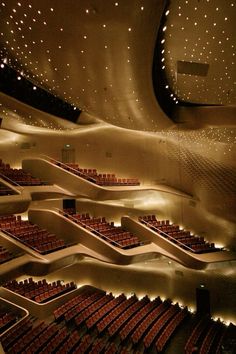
(209, 140)
(28, 47)
(163, 66)
(33, 120)
(204, 34)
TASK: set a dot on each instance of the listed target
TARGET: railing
(66, 167)
(160, 232)
(87, 227)
(11, 181)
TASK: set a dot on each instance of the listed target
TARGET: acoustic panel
(192, 68)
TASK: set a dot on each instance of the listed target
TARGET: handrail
(70, 168)
(88, 227)
(91, 229)
(19, 240)
(168, 236)
(10, 181)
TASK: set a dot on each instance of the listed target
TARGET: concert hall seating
(19, 176)
(104, 179)
(173, 233)
(40, 291)
(97, 322)
(206, 336)
(31, 235)
(117, 236)
(7, 319)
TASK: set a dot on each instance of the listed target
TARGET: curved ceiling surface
(96, 55)
(199, 52)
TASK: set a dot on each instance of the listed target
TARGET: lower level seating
(40, 291)
(7, 319)
(117, 325)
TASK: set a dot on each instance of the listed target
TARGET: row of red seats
(154, 317)
(141, 320)
(98, 346)
(39, 291)
(182, 238)
(31, 235)
(16, 332)
(204, 334)
(37, 336)
(149, 320)
(5, 255)
(104, 179)
(6, 320)
(138, 317)
(116, 312)
(170, 328)
(103, 311)
(198, 330)
(213, 332)
(115, 235)
(126, 315)
(159, 324)
(71, 343)
(24, 341)
(60, 312)
(19, 176)
(89, 300)
(87, 312)
(8, 219)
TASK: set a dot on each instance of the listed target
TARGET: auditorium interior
(118, 176)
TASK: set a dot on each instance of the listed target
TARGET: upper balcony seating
(142, 324)
(18, 176)
(31, 235)
(5, 190)
(104, 179)
(117, 236)
(173, 233)
(5, 255)
(40, 291)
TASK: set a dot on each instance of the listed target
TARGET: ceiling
(201, 32)
(98, 55)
